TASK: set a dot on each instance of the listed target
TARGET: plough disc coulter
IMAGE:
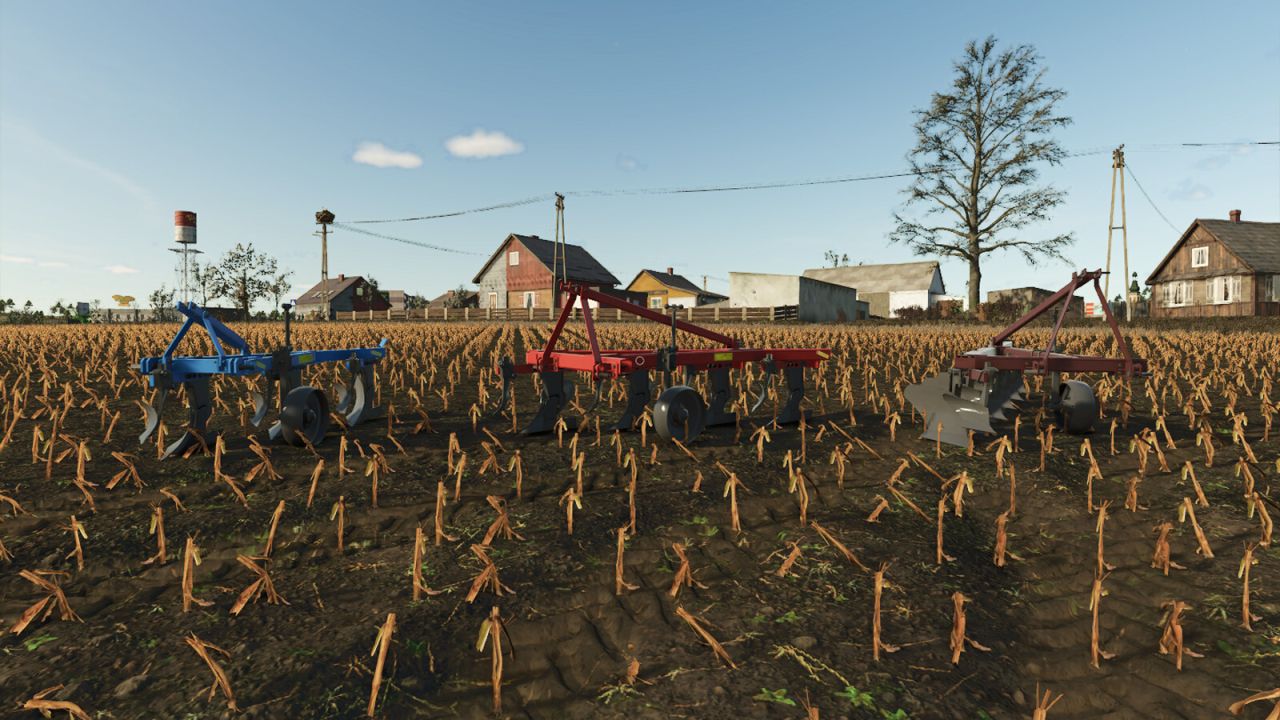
(303, 410)
(984, 389)
(680, 412)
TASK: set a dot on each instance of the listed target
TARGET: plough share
(304, 410)
(680, 412)
(984, 387)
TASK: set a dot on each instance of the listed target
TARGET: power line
(737, 187)
(1148, 197)
(487, 208)
(417, 243)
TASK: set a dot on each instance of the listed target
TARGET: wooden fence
(692, 314)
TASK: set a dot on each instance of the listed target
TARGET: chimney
(1234, 215)
(670, 271)
(341, 277)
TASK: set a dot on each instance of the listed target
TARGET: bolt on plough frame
(680, 412)
(985, 385)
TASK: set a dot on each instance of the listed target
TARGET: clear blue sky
(251, 114)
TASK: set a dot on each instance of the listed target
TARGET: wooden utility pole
(560, 261)
(323, 219)
(1117, 168)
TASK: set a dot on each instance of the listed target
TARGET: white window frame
(1224, 290)
(1200, 256)
(1177, 293)
(530, 299)
(655, 302)
(1273, 291)
(493, 299)
(513, 258)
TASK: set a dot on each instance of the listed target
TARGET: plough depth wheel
(679, 414)
(305, 415)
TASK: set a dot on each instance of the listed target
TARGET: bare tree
(977, 147)
(836, 259)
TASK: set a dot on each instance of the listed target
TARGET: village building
(346, 293)
(519, 273)
(453, 299)
(888, 288)
(1024, 299)
(1219, 268)
(814, 300)
(661, 289)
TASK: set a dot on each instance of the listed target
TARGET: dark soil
(805, 637)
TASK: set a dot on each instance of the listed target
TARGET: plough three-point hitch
(304, 410)
(984, 387)
(680, 412)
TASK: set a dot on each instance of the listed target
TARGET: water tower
(184, 234)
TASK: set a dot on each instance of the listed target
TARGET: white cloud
(120, 269)
(16, 259)
(51, 264)
(482, 144)
(627, 163)
(38, 141)
(379, 155)
(1189, 191)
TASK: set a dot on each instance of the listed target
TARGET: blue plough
(304, 410)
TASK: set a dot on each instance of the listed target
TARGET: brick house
(1220, 268)
(518, 274)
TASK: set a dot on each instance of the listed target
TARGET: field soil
(792, 612)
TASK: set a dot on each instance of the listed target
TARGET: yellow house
(667, 288)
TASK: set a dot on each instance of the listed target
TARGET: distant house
(346, 293)
(667, 288)
(889, 287)
(453, 299)
(1219, 268)
(814, 300)
(1025, 298)
(397, 300)
(518, 274)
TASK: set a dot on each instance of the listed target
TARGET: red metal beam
(648, 314)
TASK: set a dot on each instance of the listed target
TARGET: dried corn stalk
(716, 647)
(54, 599)
(488, 576)
(835, 543)
(619, 581)
(190, 559)
(1171, 641)
(157, 529)
(262, 585)
(1044, 703)
(494, 627)
(1236, 707)
(220, 680)
(501, 524)
(420, 586)
(315, 480)
(1246, 563)
(48, 707)
(1095, 605)
(1185, 512)
(877, 645)
(381, 644)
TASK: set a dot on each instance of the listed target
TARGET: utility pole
(323, 219)
(560, 259)
(1117, 168)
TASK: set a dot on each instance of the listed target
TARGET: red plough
(985, 386)
(680, 412)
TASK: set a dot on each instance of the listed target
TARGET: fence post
(717, 313)
(446, 312)
(488, 313)
(773, 313)
(744, 314)
(466, 313)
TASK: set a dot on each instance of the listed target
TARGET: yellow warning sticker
(823, 355)
(305, 358)
(723, 357)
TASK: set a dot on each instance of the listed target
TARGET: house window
(1223, 290)
(513, 257)
(360, 291)
(1177, 293)
(530, 299)
(655, 303)
(1200, 257)
(493, 299)
(1273, 289)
